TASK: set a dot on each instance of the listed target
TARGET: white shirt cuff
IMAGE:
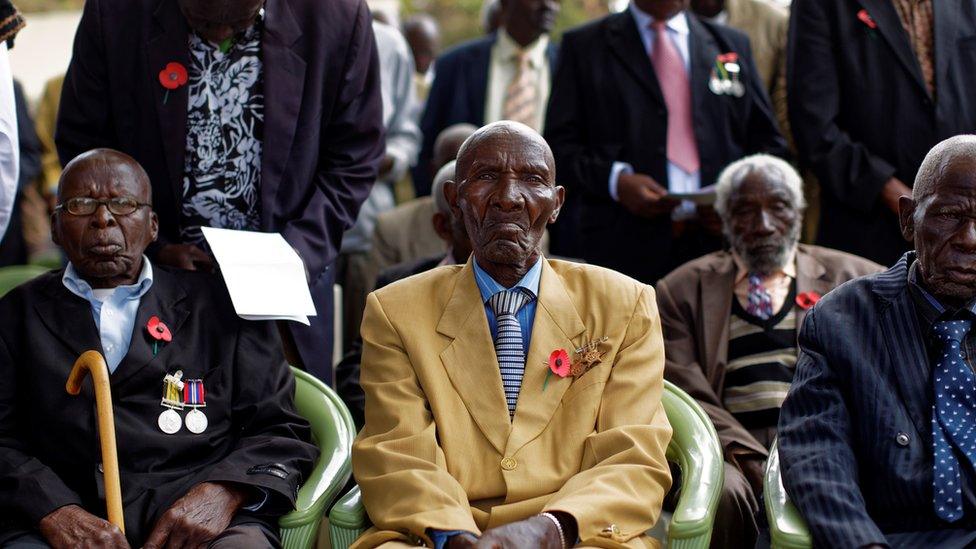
(615, 171)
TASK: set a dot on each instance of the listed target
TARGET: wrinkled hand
(385, 166)
(461, 541)
(71, 526)
(198, 517)
(185, 256)
(536, 531)
(642, 196)
(893, 190)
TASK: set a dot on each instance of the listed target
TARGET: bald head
(505, 192)
(424, 38)
(104, 220)
(448, 143)
(960, 147)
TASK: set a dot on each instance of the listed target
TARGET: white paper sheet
(702, 197)
(264, 275)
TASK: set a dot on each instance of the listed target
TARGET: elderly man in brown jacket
(730, 321)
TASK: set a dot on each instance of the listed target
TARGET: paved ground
(43, 49)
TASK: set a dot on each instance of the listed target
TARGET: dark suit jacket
(863, 378)
(323, 128)
(606, 106)
(861, 114)
(49, 452)
(457, 95)
(695, 303)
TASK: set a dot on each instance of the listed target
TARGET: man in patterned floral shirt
(260, 115)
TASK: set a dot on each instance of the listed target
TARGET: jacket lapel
(889, 25)
(478, 66)
(168, 43)
(470, 359)
(68, 318)
(557, 325)
(907, 361)
(716, 294)
(163, 300)
(284, 81)
(811, 276)
(947, 31)
(625, 42)
(702, 51)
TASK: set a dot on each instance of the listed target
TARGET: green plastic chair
(333, 431)
(15, 275)
(695, 448)
(787, 529)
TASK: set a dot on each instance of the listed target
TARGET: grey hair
(775, 170)
(445, 174)
(937, 160)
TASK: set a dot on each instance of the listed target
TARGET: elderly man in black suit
(261, 115)
(878, 433)
(223, 478)
(503, 76)
(646, 103)
(872, 86)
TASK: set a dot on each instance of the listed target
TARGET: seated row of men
(514, 400)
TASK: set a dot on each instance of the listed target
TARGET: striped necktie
(521, 97)
(508, 342)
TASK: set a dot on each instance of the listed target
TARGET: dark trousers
(243, 535)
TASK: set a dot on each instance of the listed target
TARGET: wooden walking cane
(92, 361)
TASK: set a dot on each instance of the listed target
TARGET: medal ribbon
(194, 393)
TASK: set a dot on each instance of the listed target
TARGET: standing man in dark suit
(877, 434)
(215, 466)
(648, 102)
(255, 114)
(872, 86)
(503, 76)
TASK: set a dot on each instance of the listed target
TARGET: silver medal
(738, 89)
(716, 86)
(169, 421)
(196, 421)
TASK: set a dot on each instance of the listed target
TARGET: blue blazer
(458, 96)
(854, 433)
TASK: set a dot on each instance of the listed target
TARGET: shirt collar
(508, 48)
(80, 287)
(741, 271)
(678, 23)
(489, 287)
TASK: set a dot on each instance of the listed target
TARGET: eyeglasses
(122, 205)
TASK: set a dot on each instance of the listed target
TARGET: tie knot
(755, 279)
(658, 26)
(951, 330)
(508, 302)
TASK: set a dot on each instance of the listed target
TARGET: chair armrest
(695, 448)
(787, 528)
(347, 519)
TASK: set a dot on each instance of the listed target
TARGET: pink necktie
(673, 79)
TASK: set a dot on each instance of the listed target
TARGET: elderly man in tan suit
(731, 319)
(484, 425)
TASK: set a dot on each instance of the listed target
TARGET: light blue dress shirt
(115, 313)
(679, 181)
(530, 283)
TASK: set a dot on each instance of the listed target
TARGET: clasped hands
(194, 520)
(536, 531)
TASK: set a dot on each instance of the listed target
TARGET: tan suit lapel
(470, 359)
(716, 305)
(811, 276)
(557, 325)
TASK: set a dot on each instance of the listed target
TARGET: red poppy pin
(807, 300)
(171, 77)
(558, 364)
(159, 332)
(730, 57)
(866, 18)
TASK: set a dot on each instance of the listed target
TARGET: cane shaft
(92, 361)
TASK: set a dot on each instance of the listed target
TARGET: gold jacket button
(509, 464)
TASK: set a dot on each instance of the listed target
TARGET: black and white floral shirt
(225, 119)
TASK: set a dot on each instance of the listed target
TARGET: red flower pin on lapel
(866, 18)
(730, 57)
(159, 332)
(559, 364)
(171, 77)
(807, 300)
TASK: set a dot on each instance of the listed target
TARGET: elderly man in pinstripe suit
(878, 433)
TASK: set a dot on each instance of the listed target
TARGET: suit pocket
(595, 377)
